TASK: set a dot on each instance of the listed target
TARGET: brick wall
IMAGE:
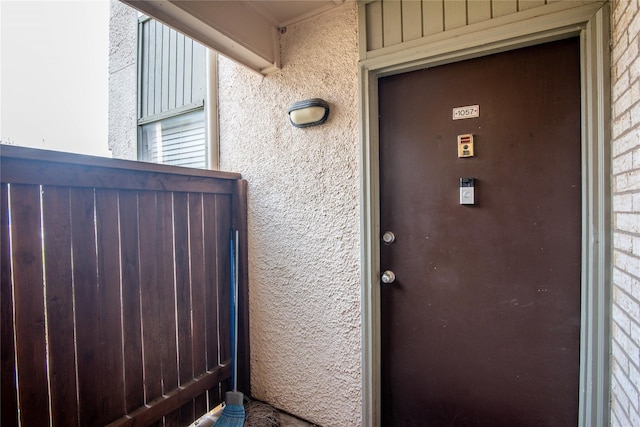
(625, 152)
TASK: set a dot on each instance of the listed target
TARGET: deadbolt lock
(388, 237)
(388, 277)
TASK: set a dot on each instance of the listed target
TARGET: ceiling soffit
(245, 31)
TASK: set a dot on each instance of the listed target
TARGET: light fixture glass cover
(310, 112)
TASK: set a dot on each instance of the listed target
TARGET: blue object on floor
(233, 412)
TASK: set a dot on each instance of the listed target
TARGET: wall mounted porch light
(310, 112)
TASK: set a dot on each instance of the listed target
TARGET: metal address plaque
(467, 112)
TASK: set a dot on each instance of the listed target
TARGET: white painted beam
(228, 27)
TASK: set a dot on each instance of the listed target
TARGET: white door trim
(591, 22)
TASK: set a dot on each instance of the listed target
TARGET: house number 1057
(467, 112)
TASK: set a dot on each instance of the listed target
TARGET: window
(178, 140)
(172, 94)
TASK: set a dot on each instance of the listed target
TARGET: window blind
(178, 141)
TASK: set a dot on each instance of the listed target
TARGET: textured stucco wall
(123, 27)
(303, 219)
(625, 153)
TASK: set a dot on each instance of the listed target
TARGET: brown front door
(481, 326)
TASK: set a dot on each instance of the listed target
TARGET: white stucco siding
(123, 23)
(303, 219)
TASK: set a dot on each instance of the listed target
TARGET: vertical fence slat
(212, 316)
(222, 214)
(183, 287)
(29, 304)
(166, 284)
(239, 208)
(187, 414)
(131, 326)
(58, 268)
(200, 405)
(173, 419)
(150, 295)
(108, 244)
(87, 302)
(183, 296)
(223, 279)
(196, 244)
(182, 416)
(198, 309)
(9, 404)
(211, 306)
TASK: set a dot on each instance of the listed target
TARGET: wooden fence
(115, 290)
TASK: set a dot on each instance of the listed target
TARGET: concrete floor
(287, 420)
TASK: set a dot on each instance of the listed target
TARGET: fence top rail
(19, 165)
(61, 158)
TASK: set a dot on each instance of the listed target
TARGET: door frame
(589, 21)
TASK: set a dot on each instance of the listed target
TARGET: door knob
(388, 277)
